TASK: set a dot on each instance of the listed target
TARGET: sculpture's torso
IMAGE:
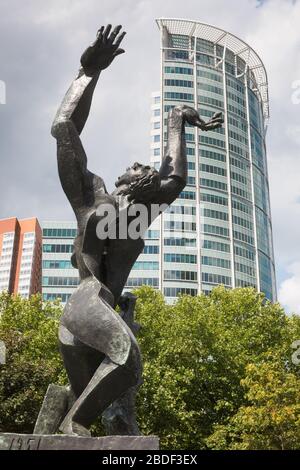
(110, 260)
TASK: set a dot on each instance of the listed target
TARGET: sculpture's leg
(120, 417)
(108, 383)
(97, 329)
(80, 361)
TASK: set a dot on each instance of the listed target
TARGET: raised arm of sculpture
(173, 171)
(77, 101)
(74, 110)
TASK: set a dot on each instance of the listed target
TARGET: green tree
(196, 355)
(29, 330)
(271, 420)
(217, 369)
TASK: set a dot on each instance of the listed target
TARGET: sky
(41, 44)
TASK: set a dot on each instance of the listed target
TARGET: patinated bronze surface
(100, 351)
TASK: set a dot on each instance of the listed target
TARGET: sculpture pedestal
(63, 442)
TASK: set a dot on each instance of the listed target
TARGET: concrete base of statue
(10, 441)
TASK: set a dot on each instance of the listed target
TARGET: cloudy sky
(41, 43)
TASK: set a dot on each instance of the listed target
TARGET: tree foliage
(199, 361)
(271, 419)
(29, 330)
(217, 369)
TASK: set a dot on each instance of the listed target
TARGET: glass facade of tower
(219, 230)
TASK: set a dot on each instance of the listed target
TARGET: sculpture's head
(139, 182)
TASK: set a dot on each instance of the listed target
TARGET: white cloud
(276, 38)
(289, 292)
(293, 133)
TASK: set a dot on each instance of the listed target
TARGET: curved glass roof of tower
(219, 230)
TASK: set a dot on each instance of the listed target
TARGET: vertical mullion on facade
(228, 169)
(197, 165)
(252, 181)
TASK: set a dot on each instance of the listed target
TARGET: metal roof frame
(229, 41)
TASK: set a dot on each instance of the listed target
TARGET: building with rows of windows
(219, 230)
(20, 256)
(59, 278)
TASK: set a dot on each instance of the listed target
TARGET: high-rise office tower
(20, 256)
(59, 278)
(219, 230)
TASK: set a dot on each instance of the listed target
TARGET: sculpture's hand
(102, 52)
(214, 123)
(192, 117)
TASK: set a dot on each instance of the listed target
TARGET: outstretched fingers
(100, 33)
(106, 33)
(119, 39)
(114, 38)
(212, 125)
(217, 115)
(114, 34)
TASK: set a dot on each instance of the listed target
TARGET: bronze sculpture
(100, 352)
